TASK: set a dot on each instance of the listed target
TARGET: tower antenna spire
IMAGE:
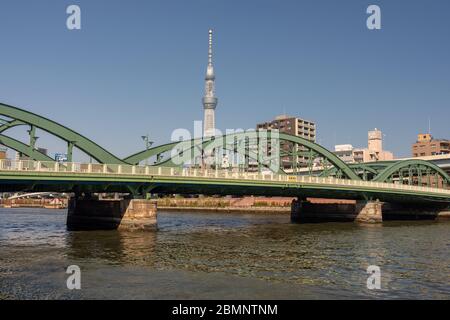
(209, 98)
(210, 50)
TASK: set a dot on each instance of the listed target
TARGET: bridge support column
(296, 210)
(92, 214)
(323, 210)
(444, 214)
(369, 211)
(303, 211)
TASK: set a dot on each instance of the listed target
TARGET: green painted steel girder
(98, 182)
(331, 157)
(383, 169)
(405, 164)
(210, 144)
(23, 148)
(145, 154)
(298, 153)
(81, 142)
(11, 124)
(186, 147)
(355, 167)
(218, 142)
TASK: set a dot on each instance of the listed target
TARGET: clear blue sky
(138, 67)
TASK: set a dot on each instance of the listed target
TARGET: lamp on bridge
(159, 158)
(148, 144)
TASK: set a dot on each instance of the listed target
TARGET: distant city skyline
(130, 71)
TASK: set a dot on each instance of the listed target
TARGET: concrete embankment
(273, 205)
(55, 203)
(308, 210)
(278, 210)
(266, 205)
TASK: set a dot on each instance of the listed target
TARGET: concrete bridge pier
(126, 214)
(369, 211)
(303, 211)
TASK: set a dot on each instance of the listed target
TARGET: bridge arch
(187, 146)
(73, 139)
(328, 155)
(363, 170)
(415, 168)
(24, 148)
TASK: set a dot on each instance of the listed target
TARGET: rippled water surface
(230, 256)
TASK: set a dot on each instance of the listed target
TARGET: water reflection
(329, 258)
(112, 247)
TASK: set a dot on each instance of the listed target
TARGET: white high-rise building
(209, 99)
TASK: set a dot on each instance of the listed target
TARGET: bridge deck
(28, 175)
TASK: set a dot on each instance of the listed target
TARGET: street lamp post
(148, 144)
(159, 158)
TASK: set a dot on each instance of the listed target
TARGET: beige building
(427, 146)
(373, 152)
(294, 126)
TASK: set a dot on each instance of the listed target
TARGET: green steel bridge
(36, 176)
(174, 169)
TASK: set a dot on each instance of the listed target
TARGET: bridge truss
(257, 150)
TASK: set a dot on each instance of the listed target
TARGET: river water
(222, 256)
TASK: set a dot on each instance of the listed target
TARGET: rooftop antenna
(429, 125)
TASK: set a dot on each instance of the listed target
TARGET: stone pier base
(90, 214)
(444, 214)
(361, 211)
(369, 211)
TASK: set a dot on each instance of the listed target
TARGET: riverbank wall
(313, 209)
(55, 203)
(271, 210)
(265, 205)
(278, 205)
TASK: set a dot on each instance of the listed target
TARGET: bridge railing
(118, 169)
